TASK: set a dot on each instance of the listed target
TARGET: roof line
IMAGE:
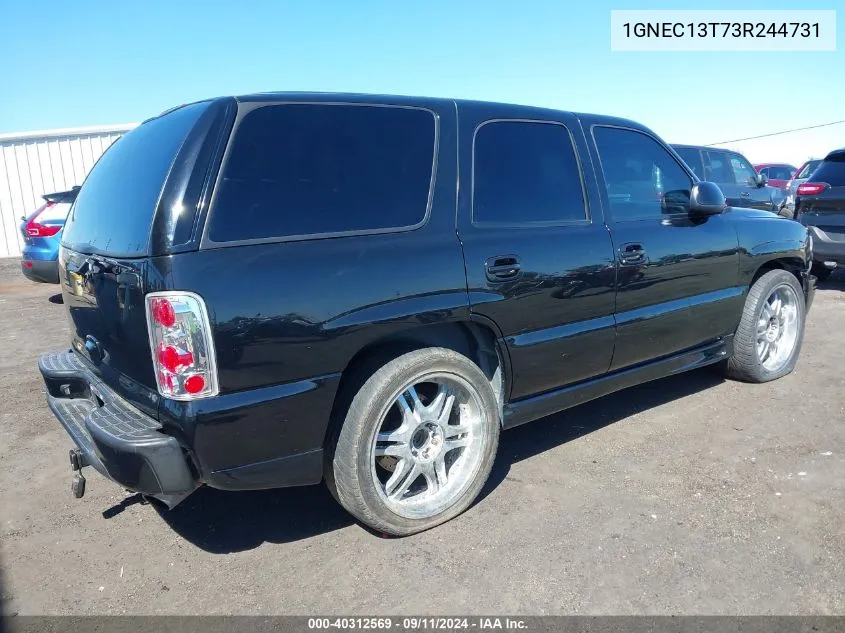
(71, 131)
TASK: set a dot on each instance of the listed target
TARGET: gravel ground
(689, 495)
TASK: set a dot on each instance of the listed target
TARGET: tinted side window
(304, 169)
(643, 180)
(743, 171)
(716, 167)
(692, 157)
(832, 171)
(808, 169)
(525, 173)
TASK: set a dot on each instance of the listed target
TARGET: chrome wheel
(429, 445)
(777, 328)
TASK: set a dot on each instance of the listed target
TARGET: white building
(35, 163)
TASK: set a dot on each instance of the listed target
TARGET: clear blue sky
(67, 64)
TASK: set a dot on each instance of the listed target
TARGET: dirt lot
(689, 495)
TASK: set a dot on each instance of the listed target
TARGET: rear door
(718, 169)
(539, 260)
(677, 275)
(753, 195)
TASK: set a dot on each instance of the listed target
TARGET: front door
(755, 195)
(539, 260)
(677, 274)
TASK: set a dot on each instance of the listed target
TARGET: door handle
(502, 267)
(632, 254)
(745, 194)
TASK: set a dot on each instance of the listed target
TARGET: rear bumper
(826, 249)
(113, 437)
(44, 271)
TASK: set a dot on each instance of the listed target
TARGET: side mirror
(760, 180)
(706, 199)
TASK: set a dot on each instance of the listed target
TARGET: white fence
(36, 163)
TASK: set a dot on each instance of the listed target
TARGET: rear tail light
(811, 188)
(180, 340)
(35, 229)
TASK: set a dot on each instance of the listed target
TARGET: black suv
(365, 289)
(820, 205)
(742, 185)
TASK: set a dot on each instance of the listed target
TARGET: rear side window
(692, 157)
(114, 209)
(808, 169)
(831, 171)
(306, 169)
(526, 173)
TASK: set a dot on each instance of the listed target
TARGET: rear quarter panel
(288, 317)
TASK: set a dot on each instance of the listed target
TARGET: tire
(373, 476)
(779, 355)
(821, 272)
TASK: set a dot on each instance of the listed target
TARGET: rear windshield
(114, 209)
(304, 169)
(831, 171)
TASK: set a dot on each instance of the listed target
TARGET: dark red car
(778, 174)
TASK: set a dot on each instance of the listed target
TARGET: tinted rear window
(114, 209)
(306, 169)
(831, 171)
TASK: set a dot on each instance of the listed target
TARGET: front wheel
(417, 443)
(768, 340)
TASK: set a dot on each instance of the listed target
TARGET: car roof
(528, 111)
(773, 165)
(837, 154)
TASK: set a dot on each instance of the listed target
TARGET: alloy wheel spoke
(410, 405)
(407, 472)
(440, 470)
(452, 444)
(441, 406)
(763, 351)
(454, 430)
(431, 480)
(392, 450)
(402, 435)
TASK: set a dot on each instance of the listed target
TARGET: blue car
(42, 234)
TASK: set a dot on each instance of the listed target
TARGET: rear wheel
(768, 340)
(417, 443)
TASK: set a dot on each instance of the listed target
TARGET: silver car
(802, 174)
